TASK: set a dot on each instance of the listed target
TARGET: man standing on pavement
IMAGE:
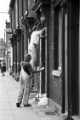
(25, 81)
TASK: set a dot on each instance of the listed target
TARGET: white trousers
(25, 81)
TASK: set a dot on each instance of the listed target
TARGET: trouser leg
(26, 93)
(20, 95)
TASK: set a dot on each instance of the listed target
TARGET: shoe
(27, 105)
(17, 104)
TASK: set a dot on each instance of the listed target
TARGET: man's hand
(38, 70)
(42, 68)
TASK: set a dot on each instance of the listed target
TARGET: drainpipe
(63, 60)
(69, 117)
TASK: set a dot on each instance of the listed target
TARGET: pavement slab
(8, 111)
(8, 95)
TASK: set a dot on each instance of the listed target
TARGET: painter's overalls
(25, 81)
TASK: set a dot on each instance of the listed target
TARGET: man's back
(27, 68)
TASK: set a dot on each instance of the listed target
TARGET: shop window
(57, 42)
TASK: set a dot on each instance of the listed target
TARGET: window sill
(56, 73)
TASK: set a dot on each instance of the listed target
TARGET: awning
(39, 4)
(12, 3)
(11, 6)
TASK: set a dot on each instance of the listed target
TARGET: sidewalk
(8, 111)
(8, 94)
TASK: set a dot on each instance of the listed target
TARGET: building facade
(59, 47)
(8, 51)
(2, 51)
